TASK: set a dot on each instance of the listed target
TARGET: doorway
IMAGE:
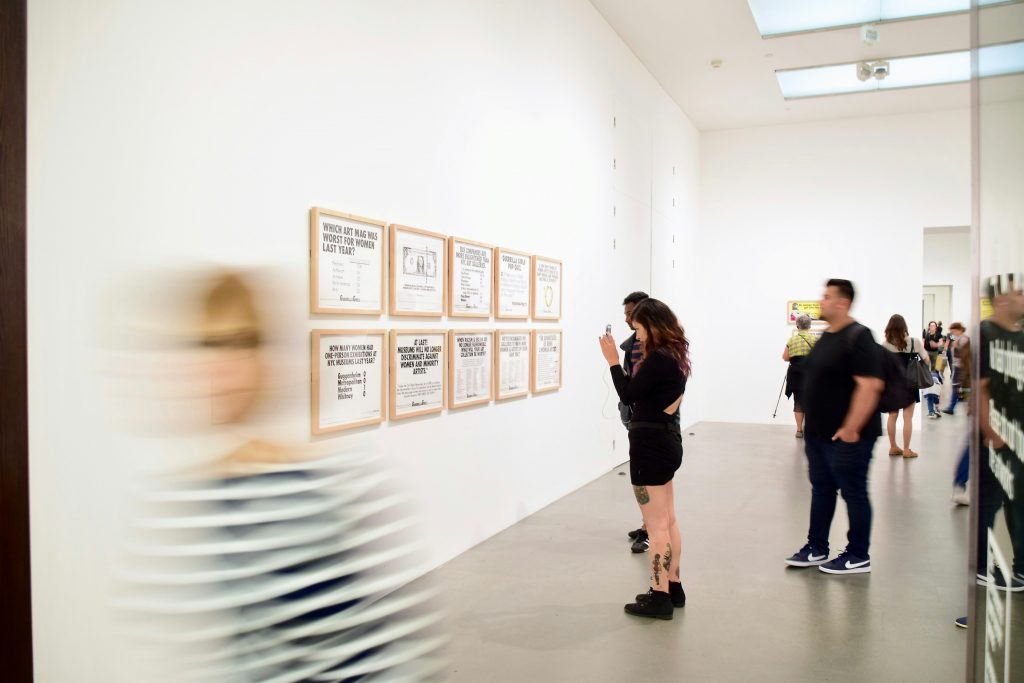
(936, 304)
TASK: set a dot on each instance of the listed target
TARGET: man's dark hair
(845, 288)
(635, 298)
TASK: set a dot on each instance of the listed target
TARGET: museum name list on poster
(351, 355)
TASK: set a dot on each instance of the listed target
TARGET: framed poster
(794, 309)
(418, 272)
(346, 263)
(471, 270)
(547, 361)
(547, 289)
(417, 372)
(512, 363)
(470, 367)
(348, 379)
(512, 284)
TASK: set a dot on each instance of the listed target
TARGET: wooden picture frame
(542, 301)
(424, 258)
(525, 261)
(498, 364)
(454, 360)
(317, 358)
(345, 266)
(395, 373)
(535, 364)
(482, 281)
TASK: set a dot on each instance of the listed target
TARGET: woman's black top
(929, 339)
(656, 386)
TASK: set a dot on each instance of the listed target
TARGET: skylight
(903, 72)
(778, 17)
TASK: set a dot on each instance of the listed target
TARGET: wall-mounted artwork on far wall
(349, 372)
(471, 268)
(346, 264)
(512, 361)
(418, 372)
(794, 309)
(513, 284)
(546, 374)
(470, 367)
(419, 272)
(547, 288)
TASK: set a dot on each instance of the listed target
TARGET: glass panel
(997, 474)
(774, 17)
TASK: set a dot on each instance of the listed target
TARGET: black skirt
(654, 455)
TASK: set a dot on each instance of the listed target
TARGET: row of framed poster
(428, 369)
(430, 274)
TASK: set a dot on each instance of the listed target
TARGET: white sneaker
(960, 496)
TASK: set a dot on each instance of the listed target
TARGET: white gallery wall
(947, 261)
(784, 208)
(174, 134)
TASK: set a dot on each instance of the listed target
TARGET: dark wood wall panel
(15, 576)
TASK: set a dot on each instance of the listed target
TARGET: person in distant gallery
(797, 349)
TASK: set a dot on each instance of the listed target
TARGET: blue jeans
(963, 468)
(933, 403)
(838, 467)
(954, 397)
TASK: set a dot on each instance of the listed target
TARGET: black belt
(666, 426)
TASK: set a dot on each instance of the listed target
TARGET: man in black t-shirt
(1000, 412)
(842, 385)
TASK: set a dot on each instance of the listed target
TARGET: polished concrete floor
(542, 601)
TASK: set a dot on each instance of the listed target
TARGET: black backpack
(894, 374)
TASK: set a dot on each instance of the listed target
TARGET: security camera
(877, 70)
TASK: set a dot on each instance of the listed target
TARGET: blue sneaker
(961, 622)
(998, 581)
(847, 564)
(805, 557)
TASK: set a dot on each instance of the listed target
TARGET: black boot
(654, 604)
(675, 593)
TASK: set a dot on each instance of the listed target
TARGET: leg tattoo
(641, 494)
(667, 562)
(657, 569)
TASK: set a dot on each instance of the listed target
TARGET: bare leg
(655, 502)
(908, 425)
(674, 536)
(799, 421)
(891, 429)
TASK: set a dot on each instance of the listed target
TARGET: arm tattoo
(657, 569)
(667, 562)
(641, 494)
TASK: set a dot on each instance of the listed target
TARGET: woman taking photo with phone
(654, 393)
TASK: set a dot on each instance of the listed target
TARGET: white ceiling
(677, 40)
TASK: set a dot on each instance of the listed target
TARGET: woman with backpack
(899, 342)
(797, 349)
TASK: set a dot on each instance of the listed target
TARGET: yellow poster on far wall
(986, 308)
(794, 309)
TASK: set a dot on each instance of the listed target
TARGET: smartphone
(607, 329)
